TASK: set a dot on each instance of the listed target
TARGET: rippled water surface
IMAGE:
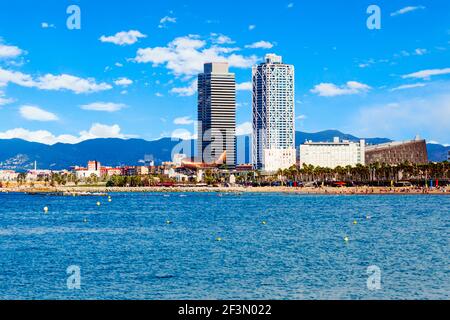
(126, 249)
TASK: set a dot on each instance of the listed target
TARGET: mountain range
(19, 154)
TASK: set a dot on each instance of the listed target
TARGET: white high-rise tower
(273, 115)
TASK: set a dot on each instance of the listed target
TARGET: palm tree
(21, 178)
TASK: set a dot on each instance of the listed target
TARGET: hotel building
(398, 152)
(273, 144)
(217, 114)
(332, 154)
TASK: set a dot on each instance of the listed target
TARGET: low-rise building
(8, 175)
(108, 171)
(36, 174)
(83, 173)
(129, 171)
(94, 165)
(332, 154)
(93, 169)
(395, 153)
(142, 171)
(172, 173)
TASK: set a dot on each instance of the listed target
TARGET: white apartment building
(273, 115)
(332, 154)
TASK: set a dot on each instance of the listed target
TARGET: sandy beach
(236, 189)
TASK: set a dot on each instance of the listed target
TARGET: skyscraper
(273, 115)
(217, 113)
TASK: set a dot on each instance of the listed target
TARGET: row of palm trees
(307, 173)
(368, 173)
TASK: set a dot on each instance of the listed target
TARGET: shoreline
(72, 190)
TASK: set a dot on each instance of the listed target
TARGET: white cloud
(332, 90)
(35, 113)
(52, 82)
(409, 86)
(96, 131)
(251, 27)
(416, 52)
(4, 100)
(159, 95)
(165, 20)
(71, 83)
(427, 74)
(99, 130)
(118, 64)
(260, 45)
(124, 38)
(7, 52)
(221, 39)
(186, 91)
(46, 25)
(103, 106)
(244, 129)
(244, 86)
(41, 136)
(185, 56)
(427, 116)
(15, 77)
(420, 51)
(168, 19)
(371, 62)
(290, 5)
(406, 10)
(124, 82)
(183, 121)
(300, 117)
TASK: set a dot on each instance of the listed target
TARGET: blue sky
(130, 70)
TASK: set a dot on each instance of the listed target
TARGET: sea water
(225, 246)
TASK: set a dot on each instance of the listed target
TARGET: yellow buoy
(346, 239)
(355, 222)
(168, 222)
(98, 203)
(85, 220)
(264, 222)
(218, 239)
(109, 200)
(45, 209)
